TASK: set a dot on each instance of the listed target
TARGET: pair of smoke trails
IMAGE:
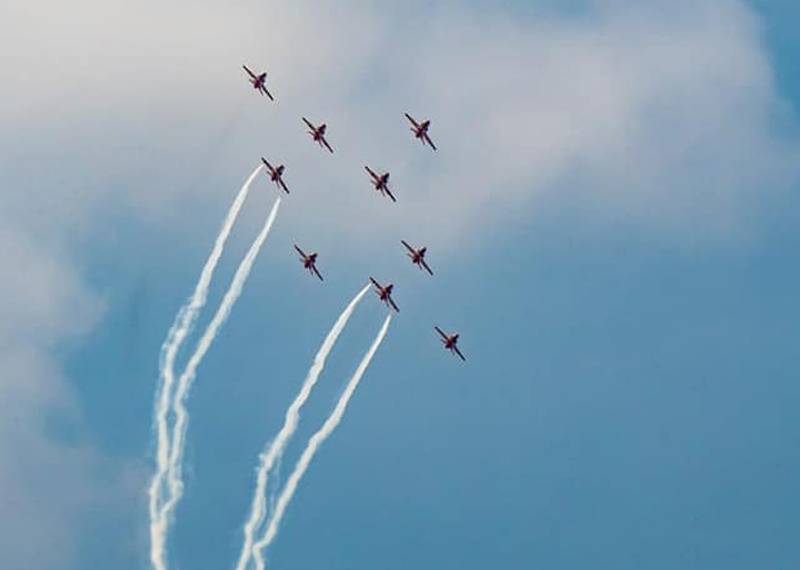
(273, 453)
(169, 450)
(258, 505)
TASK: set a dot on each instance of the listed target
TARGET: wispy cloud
(45, 482)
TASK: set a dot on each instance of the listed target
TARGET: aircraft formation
(380, 182)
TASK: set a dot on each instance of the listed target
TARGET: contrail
(184, 384)
(180, 328)
(275, 450)
(313, 444)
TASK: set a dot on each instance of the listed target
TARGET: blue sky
(612, 218)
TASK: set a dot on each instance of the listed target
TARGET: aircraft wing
(413, 122)
(314, 269)
(408, 247)
(250, 73)
(389, 192)
(378, 285)
(267, 164)
(267, 93)
(425, 265)
(326, 144)
(308, 123)
(458, 352)
(392, 303)
(370, 172)
(283, 185)
(429, 141)
(441, 333)
(300, 251)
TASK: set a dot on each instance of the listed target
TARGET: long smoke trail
(184, 320)
(313, 444)
(184, 384)
(276, 447)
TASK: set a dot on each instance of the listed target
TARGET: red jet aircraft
(258, 82)
(417, 256)
(450, 342)
(381, 183)
(420, 130)
(318, 133)
(309, 261)
(275, 174)
(385, 293)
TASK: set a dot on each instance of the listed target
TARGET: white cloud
(44, 483)
(49, 481)
(659, 117)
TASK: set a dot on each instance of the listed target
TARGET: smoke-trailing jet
(259, 82)
(381, 183)
(276, 174)
(318, 133)
(450, 342)
(420, 130)
(385, 293)
(309, 261)
(417, 256)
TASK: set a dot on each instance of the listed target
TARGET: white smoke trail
(276, 447)
(313, 444)
(184, 384)
(181, 327)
